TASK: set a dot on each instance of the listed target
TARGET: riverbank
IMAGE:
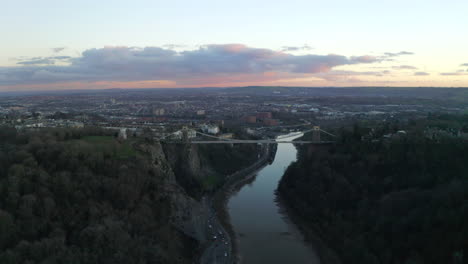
(312, 234)
(235, 181)
(308, 232)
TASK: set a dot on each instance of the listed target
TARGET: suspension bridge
(191, 136)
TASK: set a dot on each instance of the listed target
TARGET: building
(29, 125)
(123, 133)
(270, 122)
(250, 131)
(74, 124)
(314, 110)
(176, 135)
(158, 111)
(251, 119)
(264, 115)
(201, 112)
(210, 129)
(184, 134)
(191, 133)
(226, 136)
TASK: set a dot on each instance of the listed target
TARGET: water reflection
(265, 235)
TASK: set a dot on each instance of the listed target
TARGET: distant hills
(460, 93)
(419, 92)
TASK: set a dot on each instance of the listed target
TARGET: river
(264, 233)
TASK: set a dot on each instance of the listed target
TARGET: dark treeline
(81, 196)
(380, 198)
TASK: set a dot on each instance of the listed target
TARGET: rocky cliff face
(186, 214)
(201, 169)
(186, 173)
(180, 202)
(189, 167)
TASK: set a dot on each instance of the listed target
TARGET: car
(225, 254)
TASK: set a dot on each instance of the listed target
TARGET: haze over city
(56, 45)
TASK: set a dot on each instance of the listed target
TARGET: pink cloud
(131, 64)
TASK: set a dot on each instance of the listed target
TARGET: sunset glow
(217, 45)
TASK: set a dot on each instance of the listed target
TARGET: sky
(89, 44)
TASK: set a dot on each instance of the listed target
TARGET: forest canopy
(81, 196)
(387, 193)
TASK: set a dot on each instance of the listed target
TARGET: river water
(265, 234)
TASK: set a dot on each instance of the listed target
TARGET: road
(218, 249)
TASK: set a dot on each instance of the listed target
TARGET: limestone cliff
(201, 169)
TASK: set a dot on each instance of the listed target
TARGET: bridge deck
(250, 142)
(219, 140)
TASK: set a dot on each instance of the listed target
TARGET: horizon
(103, 90)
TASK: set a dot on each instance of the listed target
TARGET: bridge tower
(316, 134)
(185, 137)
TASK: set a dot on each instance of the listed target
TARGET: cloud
(295, 48)
(457, 73)
(155, 63)
(37, 62)
(391, 54)
(60, 57)
(365, 59)
(336, 75)
(41, 60)
(404, 67)
(421, 74)
(359, 73)
(174, 46)
(57, 50)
